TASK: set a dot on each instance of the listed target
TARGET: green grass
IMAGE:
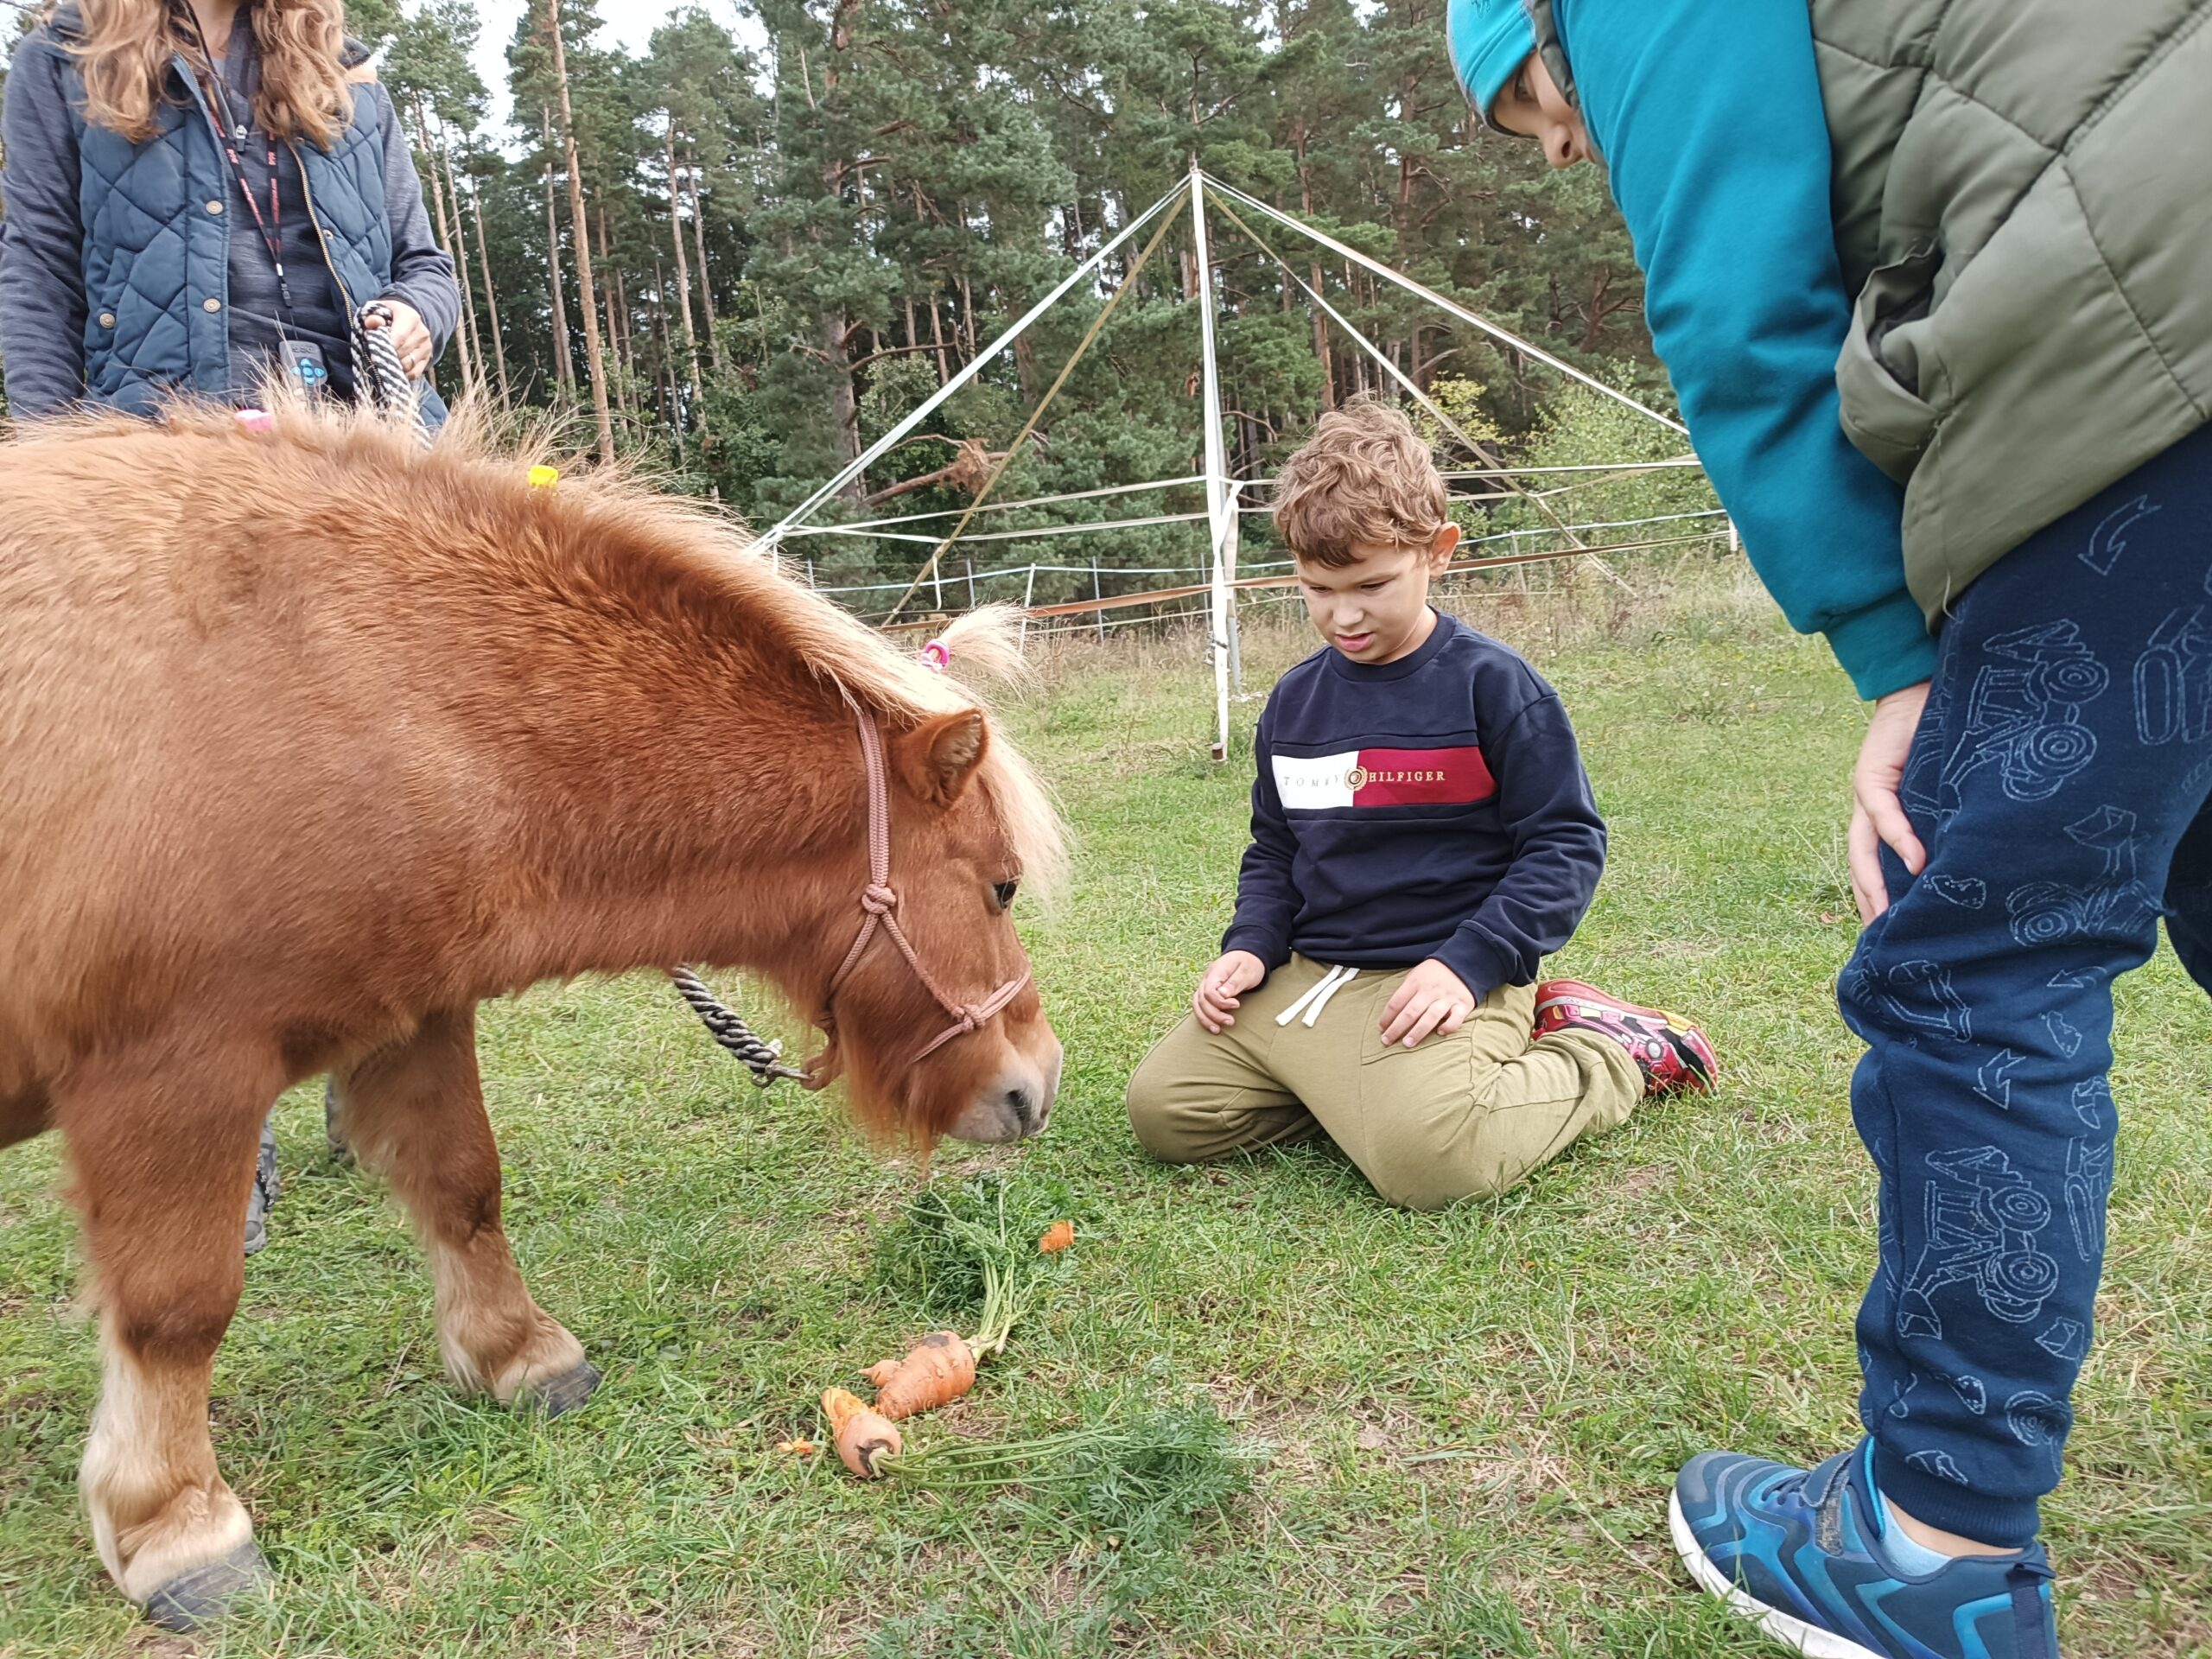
(1474, 1416)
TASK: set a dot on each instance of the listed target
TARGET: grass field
(1474, 1416)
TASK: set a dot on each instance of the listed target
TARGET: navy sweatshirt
(1435, 806)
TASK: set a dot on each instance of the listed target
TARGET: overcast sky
(630, 23)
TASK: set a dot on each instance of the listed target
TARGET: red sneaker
(1671, 1052)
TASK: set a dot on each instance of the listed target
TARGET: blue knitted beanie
(1489, 39)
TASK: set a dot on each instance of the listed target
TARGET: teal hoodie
(1715, 114)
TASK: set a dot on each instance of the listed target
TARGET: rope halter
(879, 904)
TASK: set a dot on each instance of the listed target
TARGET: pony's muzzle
(1015, 1105)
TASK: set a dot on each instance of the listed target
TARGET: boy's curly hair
(1364, 478)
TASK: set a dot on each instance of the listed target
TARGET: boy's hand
(1233, 973)
(1432, 999)
(1876, 815)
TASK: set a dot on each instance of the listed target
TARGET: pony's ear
(938, 757)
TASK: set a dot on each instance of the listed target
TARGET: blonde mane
(867, 671)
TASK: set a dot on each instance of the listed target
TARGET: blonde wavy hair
(124, 51)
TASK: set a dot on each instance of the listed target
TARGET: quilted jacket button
(107, 319)
(214, 206)
(210, 303)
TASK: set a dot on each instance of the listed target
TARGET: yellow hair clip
(544, 478)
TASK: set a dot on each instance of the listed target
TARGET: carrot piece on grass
(795, 1448)
(936, 1370)
(864, 1436)
(1058, 1237)
(882, 1371)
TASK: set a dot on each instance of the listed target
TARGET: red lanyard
(272, 226)
(276, 206)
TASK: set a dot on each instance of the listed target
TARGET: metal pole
(971, 583)
(1028, 593)
(1220, 516)
(1235, 633)
(810, 573)
(1098, 593)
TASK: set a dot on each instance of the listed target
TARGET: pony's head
(930, 1006)
(926, 996)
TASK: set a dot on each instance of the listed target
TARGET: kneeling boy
(1423, 835)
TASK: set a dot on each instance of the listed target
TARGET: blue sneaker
(1803, 1553)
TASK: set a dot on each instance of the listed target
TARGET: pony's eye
(1004, 891)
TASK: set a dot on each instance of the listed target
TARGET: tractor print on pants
(2025, 718)
(1979, 1226)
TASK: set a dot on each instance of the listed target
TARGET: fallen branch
(969, 468)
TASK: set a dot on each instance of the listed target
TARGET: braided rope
(763, 1059)
(380, 378)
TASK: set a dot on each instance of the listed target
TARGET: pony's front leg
(414, 1112)
(162, 1140)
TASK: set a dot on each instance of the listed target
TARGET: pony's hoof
(191, 1601)
(557, 1396)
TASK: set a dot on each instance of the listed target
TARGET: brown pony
(313, 742)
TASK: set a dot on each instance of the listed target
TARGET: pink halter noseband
(879, 909)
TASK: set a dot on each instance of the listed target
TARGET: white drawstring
(1312, 991)
(1318, 995)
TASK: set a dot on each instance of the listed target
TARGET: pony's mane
(837, 647)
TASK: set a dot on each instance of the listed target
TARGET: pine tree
(551, 41)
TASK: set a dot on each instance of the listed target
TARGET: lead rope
(763, 1060)
(380, 380)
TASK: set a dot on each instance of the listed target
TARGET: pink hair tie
(936, 655)
(256, 420)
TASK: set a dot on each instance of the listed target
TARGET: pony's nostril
(1020, 1108)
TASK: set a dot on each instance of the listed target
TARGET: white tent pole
(1220, 517)
(1236, 634)
(1440, 302)
(968, 371)
(1025, 503)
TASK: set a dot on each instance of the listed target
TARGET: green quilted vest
(2023, 199)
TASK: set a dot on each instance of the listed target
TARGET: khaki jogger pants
(1458, 1116)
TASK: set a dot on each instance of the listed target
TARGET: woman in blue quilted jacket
(199, 196)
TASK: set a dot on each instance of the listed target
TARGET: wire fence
(1132, 596)
(1098, 597)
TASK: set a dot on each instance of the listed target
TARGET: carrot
(863, 1435)
(795, 1448)
(936, 1371)
(1058, 1237)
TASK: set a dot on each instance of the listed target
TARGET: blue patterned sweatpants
(2059, 781)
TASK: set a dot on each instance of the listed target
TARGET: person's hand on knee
(1223, 986)
(1432, 999)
